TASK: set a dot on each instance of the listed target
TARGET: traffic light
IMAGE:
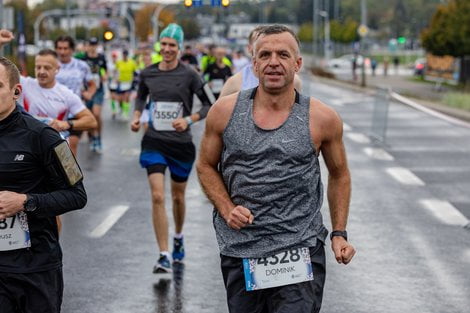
(401, 40)
(225, 3)
(108, 35)
(188, 3)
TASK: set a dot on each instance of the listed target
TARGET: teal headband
(175, 32)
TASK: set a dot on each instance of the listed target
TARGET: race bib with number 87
(14, 232)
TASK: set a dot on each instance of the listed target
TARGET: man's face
(91, 48)
(169, 49)
(276, 60)
(46, 67)
(7, 94)
(64, 51)
(219, 53)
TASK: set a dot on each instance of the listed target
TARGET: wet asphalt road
(413, 251)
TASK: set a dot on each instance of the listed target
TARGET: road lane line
(404, 176)
(346, 127)
(115, 214)
(445, 211)
(358, 137)
(378, 153)
(336, 102)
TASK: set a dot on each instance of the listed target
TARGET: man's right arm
(140, 101)
(207, 167)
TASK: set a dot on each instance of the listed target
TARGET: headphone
(17, 92)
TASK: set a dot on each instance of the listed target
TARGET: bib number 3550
(285, 268)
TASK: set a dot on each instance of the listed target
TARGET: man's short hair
(65, 39)
(45, 52)
(277, 29)
(255, 33)
(12, 71)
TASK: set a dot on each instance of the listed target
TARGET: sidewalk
(422, 93)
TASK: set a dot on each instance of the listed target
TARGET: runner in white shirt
(45, 98)
(76, 75)
(50, 101)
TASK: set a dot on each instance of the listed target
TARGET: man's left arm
(339, 181)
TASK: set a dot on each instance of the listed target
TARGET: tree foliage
(449, 31)
(190, 27)
(144, 23)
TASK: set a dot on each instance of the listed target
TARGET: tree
(144, 23)
(305, 33)
(449, 32)
(190, 27)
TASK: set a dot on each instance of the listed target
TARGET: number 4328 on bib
(285, 268)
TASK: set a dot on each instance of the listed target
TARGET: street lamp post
(155, 19)
(327, 35)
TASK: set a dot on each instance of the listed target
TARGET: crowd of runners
(258, 163)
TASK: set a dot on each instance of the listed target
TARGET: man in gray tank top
(259, 166)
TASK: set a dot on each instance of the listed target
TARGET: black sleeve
(142, 93)
(61, 197)
(105, 64)
(204, 93)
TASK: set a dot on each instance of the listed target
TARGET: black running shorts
(303, 297)
(31, 293)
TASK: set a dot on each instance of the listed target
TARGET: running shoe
(178, 250)
(163, 265)
(98, 146)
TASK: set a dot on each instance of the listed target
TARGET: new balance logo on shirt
(19, 157)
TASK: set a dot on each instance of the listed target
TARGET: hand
(5, 36)
(180, 124)
(11, 203)
(87, 95)
(135, 125)
(342, 249)
(59, 125)
(239, 217)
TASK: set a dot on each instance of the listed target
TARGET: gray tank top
(249, 80)
(276, 174)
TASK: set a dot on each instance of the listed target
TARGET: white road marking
(130, 152)
(445, 211)
(379, 154)
(467, 255)
(336, 102)
(430, 149)
(115, 214)
(346, 127)
(358, 137)
(404, 176)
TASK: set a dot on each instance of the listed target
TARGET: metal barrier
(379, 123)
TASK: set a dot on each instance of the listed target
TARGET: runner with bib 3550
(166, 89)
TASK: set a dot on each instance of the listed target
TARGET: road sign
(197, 3)
(216, 3)
(363, 30)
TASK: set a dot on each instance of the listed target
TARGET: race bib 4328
(288, 267)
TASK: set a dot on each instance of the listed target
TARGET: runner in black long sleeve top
(28, 166)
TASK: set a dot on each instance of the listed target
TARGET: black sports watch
(70, 124)
(341, 233)
(30, 204)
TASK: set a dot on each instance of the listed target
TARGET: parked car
(345, 61)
